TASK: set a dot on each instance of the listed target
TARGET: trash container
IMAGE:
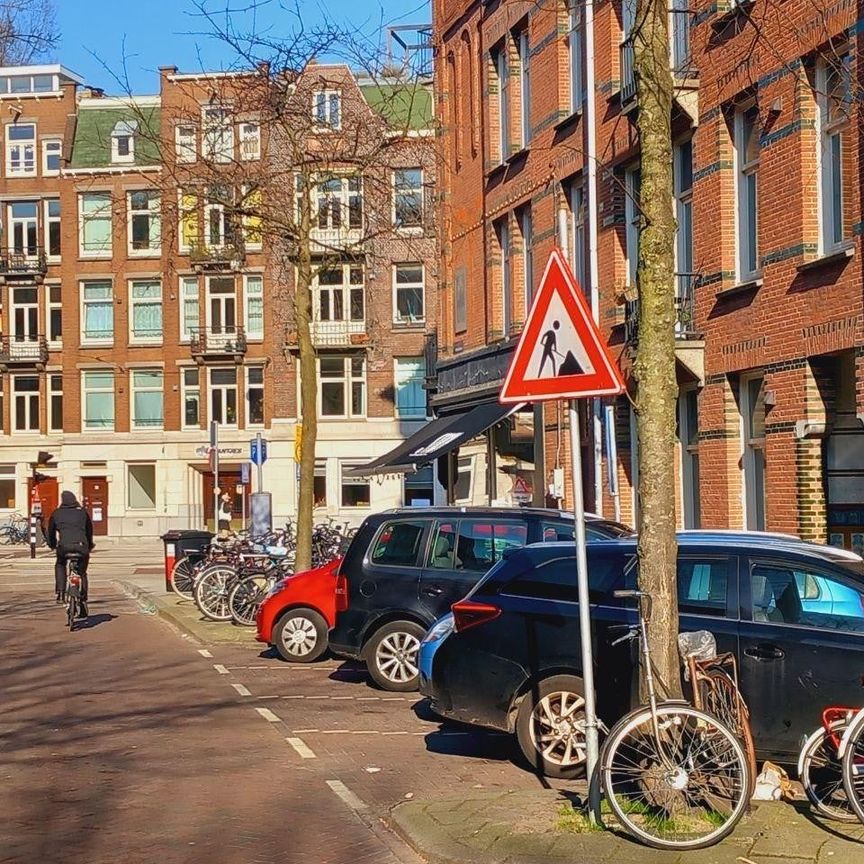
(180, 543)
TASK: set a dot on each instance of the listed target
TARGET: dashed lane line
(243, 691)
(337, 698)
(268, 715)
(364, 732)
(221, 669)
(358, 805)
(204, 652)
(301, 747)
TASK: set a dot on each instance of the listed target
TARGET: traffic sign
(256, 454)
(245, 472)
(560, 354)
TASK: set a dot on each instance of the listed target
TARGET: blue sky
(168, 33)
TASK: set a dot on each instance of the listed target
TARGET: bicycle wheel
(247, 596)
(821, 774)
(685, 789)
(721, 697)
(71, 613)
(853, 765)
(212, 590)
(183, 577)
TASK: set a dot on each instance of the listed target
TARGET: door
(802, 647)
(23, 225)
(229, 481)
(49, 497)
(221, 306)
(94, 497)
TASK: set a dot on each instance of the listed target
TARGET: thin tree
(28, 31)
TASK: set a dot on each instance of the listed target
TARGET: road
(127, 741)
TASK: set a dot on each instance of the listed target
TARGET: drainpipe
(591, 151)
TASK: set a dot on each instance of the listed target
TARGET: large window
(356, 491)
(250, 142)
(52, 152)
(702, 585)
(342, 386)
(142, 487)
(145, 222)
(502, 235)
(502, 73)
(97, 312)
(408, 197)
(410, 377)
(319, 485)
(526, 229)
(398, 544)
(574, 54)
(254, 395)
(223, 396)
(688, 434)
(52, 228)
(408, 294)
(473, 545)
(523, 47)
(25, 314)
(339, 203)
(221, 305)
(683, 182)
(752, 395)
(834, 101)
(339, 293)
(55, 402)
(98, 392)
(23, 227)
(188, 234)
(746, 192)
(7, 487)
(186, 142)
(25, 399)
(147, 399)
(190, 312)
(253, 297)
(218, 227)
(20, 149)
(633, 226)
(217, 141)
(55, 315)
(327, 109)
(95, 224)
(145, 300)
(578, 217)
(191, 395)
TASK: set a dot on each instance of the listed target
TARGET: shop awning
(436, 438)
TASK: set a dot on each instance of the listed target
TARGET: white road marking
(395, 733)
(221, 669)
(300, 746)
(335, 732)
(204, 652)
(355, 803)
(268, 715)
(303, 731)
(243, 691)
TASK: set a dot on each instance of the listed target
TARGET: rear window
(470, 544)
(397, 544)
(556, 579)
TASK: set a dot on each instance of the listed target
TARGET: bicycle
(675, 776)
(851, 754)
(74, 604)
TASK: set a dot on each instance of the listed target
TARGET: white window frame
(31, 89)
(524, 51)
(743, 171)
(328, 97)
(27, 395)
(153, 213)
(118, 158)
(410, 227)
(502, 70)
(129, 506)
(247, 401)
(347, 380)
(83, 220)
(253, 335)
(830, 176)
(186, 146)
(31, 229)
(214, 206)
(689, 483)
(217, 133)
(7, 473)
(403, 379)
(343, 196)
(49, 220)
(224, 389)
(574, 56)
(51, 305)
(397, 318)
(250, 141)
(505, 245)
(525, 218)
(47, 144)
(52, 392)
(346, 288)
(136, 339)
(632, 219)
(22, 147)
(91, 340)
(29, 309)
(135, 389)
(185, 290)
(97, 430)
(748, 459)
(353, 481)
(187, 390)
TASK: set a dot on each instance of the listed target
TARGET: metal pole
(612, 460)
(214, 443)
(32, 534)
(260, 464)
(591, 737)
(243, 505)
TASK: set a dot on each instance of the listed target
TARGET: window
(52, 228)
(98, 400)
(223, 396)
(397, 544)
(7, 486)
(55, 402)
(408, 198)
(191, 396)
(355, 490)
(190, 321)
(553, 580)
(473, 545)
(409, 380)
(419, 488)
(502, 234)
(752, 396)
(217, 142)
(408, 300)
(339, 293)
(186, 143)
(25, 316)
(464, 477)
(145, 222)
(339, 203)
(327, 109)
(523, 217)
(19, 84)
(460, 300)
(683, 182)
(95, 230)
(578, 214)
(97, 312)
(55, 315)
(142, 487)
(253, 295)
(52, 152)
(255, 396)
(145, 299)
(746, 194)
(20, 149)
(221, 305)
(502, 72)
(702, 586)
(123, 142)
(147, 399)
(342, 386)
(557, 532)
(680, 27)
(633, 222)
(834, 102)
(688, 433)
(218, 230)
(524, 49)
(319, 485)
(25, 397)
(24, 227)
(189, 236)
(251, 217)
(574, 54)
(250, 142)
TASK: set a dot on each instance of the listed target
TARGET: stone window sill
(753, 284)
(844, 253)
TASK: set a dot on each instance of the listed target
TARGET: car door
(802, 646)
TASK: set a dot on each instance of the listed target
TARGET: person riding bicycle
(70, 532)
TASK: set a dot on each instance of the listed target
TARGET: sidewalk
(541, 826)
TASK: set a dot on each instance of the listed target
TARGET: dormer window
(327, 109)
(123, 142)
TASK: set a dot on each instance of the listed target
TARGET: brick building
(139, 306)
(531, 98)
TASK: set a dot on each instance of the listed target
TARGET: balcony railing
(26, 263)
(23, 350)
(218, 342)
(628, 71)
(685, 308)
(335, 334)
(323, 240)
(228, 257)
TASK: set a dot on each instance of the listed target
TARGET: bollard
(33, 524)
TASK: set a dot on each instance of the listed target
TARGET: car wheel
(300, 636)
(550, 727)
(391, 656)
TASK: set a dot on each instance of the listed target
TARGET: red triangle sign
(560, 354)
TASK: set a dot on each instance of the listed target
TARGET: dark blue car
(791, 612)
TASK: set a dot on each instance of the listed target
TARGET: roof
(92, 144)
(403, 106)
(44, 69)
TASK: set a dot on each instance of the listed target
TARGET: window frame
(632, 222)
(420, 554)
(523, 46)
(354, 481)
(525, 221)
(249, 154)
(46, 144)
(28, 396)
(420, 361)
(85, 391)
(134, 302)
(47, 221)
(575, 76)
(750, 466)
(504, 237)
(577, 202)
(410, 320)
(22, 145)
(414, 227)
(185, 282)
(85, 219)
(135, 424)
(54, 392)
(247, 402)
(253, 335)
(186, 390)
(745, 245)
(217, 137)
(502, 75)
(152, 214)
(212, 389)
(184, 153)
(327, 96)
(347, 379)
(84, 302)
(51, 306)
(830, 176)
(129, 505)
(347, 289)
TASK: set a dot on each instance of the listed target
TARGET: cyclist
(70, 532)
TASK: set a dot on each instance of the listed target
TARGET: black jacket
(70, 530)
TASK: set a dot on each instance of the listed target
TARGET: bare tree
(28, 31)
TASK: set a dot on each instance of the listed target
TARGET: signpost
(561, 355)
(258, 454)
(214, 466)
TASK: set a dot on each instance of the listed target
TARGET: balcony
(628, 73)
(30, 264)
(23, 351)
(218, 344)
(338, 334)
(217, 258)
(325, 240)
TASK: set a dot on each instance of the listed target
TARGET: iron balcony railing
(227, 257)
(628, 73)
(27, 350)
(333, 334)
(685, 311)
(23, 262)
(218, 342)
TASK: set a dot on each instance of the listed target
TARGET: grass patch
(573, 821)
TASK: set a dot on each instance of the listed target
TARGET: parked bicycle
(16, 530)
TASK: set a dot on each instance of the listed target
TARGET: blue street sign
(259, 458)
(245, 471)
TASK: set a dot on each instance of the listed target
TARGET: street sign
(258, 454)
(521, 492)
(560, 354)
(245, 472)
(298, 441)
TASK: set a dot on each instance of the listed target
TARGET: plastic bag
(772, 784)
(699, 644)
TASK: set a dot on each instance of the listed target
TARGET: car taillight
(468, 613)
(341, 593)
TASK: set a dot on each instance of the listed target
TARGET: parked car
(791, 612)
(404, 568)
(298, 612)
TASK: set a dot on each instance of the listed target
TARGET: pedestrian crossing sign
(561, 354)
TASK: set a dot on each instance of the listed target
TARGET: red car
(299, 611)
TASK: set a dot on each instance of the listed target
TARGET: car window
(443, 550)
(556, 579)
(702, 585)
(475, 549)
(474, 545)
(397, 544)
(554, 532)
(785, 594)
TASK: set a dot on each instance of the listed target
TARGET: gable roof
(92, 145)
(403, 106)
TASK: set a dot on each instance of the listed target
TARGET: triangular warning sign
(560, 354)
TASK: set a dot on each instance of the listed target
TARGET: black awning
(436, 438)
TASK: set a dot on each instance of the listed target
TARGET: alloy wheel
(558, 728)
(396, 657)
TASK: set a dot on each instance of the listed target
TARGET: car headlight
(440, 629)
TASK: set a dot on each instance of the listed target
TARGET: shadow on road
(93, 621)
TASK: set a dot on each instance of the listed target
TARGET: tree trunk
(308, 384)
(654, 367)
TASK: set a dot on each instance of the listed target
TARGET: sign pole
(592, 747)
(214, 443)
(260, 461)
(612, 459)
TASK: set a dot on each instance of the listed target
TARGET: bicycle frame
(852, 730)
